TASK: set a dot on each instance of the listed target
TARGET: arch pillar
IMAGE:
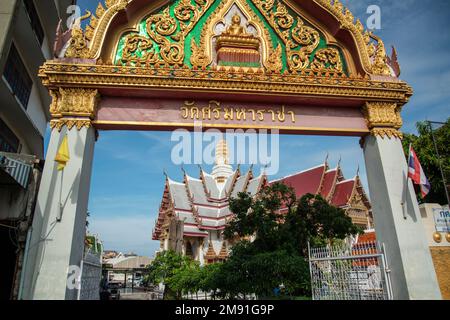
(56, 247)
(398, 226)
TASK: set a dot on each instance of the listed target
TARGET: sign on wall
(442, 219)
(173, 113)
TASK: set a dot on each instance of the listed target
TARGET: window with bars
(34, 20)
(8, 140)
(17, 76)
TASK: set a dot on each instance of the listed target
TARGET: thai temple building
(200, 205)
(347, 194)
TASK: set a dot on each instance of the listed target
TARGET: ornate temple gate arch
(303, 67)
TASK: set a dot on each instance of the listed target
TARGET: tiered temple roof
(202, 203)
(332, 186)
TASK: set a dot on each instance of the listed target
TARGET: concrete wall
(441, 260)
(48, 260)
(399, 226)
(440, 251)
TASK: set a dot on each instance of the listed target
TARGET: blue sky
(128, 180)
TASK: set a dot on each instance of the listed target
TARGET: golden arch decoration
(369, 49)
(371, 85)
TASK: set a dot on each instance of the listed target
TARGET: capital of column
(73, 107)
(383, 119)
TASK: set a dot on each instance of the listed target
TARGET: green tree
(258, 216)
(277, 255)
(279, 251)
(314, 220)
(425, 150)
(209, 276)
(185, 279)
(166, 269)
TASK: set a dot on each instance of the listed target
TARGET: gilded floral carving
(96, 30)
(328, 58)
(300, 40)
(198, 57)
(383, 119)
(78, 46)
(274, 63)
(166, 35)
(380, 64)
(73, 107)
(188, 12)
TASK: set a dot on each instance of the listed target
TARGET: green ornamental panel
(171, 35)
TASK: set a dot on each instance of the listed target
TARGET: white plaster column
(56, 245)
(412, 271)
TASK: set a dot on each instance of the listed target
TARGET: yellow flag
(62, 157)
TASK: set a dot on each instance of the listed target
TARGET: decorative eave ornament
(380, 63)
(78, 46)
(363, 38)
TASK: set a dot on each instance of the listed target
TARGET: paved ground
(136, 296)
(140, 295)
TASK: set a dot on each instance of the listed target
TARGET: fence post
(310, 271)
(387, 272)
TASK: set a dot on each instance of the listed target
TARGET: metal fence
(91, 276)
(350, 272)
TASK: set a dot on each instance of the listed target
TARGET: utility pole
(430, 125)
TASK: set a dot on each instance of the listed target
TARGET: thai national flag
(416, 173)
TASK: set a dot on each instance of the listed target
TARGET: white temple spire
(222, 169)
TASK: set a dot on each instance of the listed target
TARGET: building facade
(27, 35)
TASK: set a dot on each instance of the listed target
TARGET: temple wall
(440, 251)
(441, 260)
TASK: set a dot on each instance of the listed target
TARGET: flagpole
(60, 198)
(406, 185)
